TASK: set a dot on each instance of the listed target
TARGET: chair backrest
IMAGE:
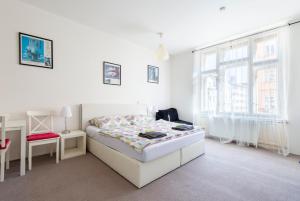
(40, 121)
(3, 131)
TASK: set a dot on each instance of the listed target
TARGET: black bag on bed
(183, 127)
(152, 135)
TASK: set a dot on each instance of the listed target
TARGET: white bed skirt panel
(139, 173)
(136, 172)
(191, 152)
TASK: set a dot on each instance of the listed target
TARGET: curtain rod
(253, 34)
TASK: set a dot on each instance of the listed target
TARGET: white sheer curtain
(240, 90)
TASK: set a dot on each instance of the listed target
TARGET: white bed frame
(138, 173)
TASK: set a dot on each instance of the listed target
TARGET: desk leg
(23, 151)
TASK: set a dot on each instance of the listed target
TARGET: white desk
(19, 125)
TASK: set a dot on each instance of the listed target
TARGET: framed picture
(35, 51)
(111, 73)
(153, 74)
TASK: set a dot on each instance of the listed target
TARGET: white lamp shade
(66, 112)
(162, 53)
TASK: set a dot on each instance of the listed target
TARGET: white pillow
(112, 121)
(143, 119)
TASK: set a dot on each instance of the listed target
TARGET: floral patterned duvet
(129, 133)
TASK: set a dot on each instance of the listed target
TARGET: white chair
(4, 148)
(40, 126)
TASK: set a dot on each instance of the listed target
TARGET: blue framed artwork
(35, 51)
(153, 74)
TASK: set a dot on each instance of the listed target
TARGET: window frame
(207, 72)
(237, 64)
(250, 43)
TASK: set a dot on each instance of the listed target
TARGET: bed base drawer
(136, 172)
(192, 151)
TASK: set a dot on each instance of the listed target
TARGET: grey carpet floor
(225, 173)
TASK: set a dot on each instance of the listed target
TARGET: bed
(138, 167)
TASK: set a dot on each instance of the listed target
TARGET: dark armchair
(170, 115)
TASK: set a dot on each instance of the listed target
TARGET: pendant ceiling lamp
(162, 53)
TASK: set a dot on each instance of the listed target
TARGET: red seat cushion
(42, 136)
(6, 143)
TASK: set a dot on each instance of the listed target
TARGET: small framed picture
(35, 51)
(153, 74)
(111, 73)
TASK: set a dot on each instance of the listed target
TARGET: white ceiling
(186, 23)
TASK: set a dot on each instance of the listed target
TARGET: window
(209, 82)
(234, 88)
(265, 49)
(265, 90)
(209, 92)
(209, 62)
(236, 53)
(242, 77)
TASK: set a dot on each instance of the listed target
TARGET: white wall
(182, 85)
(181, 77)
(77, 75)
(294, 91)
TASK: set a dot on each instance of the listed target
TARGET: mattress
(150, 152)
